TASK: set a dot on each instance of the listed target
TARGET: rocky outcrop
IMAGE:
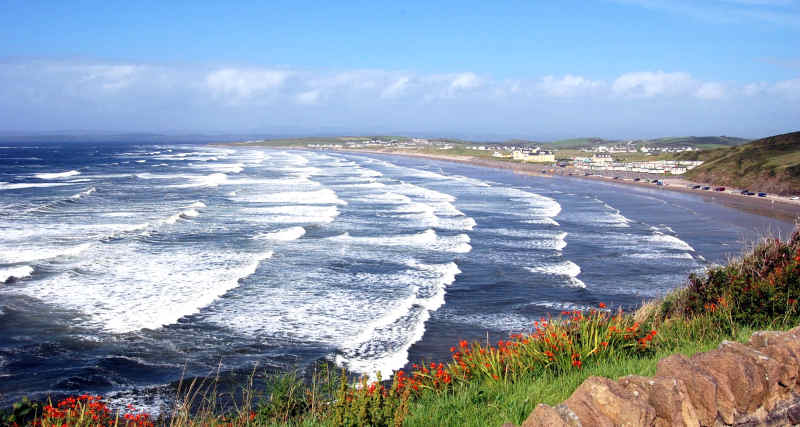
(751, 384)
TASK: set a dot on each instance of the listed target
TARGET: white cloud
(110, 77)
(58, 95)
(310, 97)
(710, 91)
(789, 88)
(464, 81)
(396, 88)
(753, 89)
(567, 85)
(240, 84)
(647, 84)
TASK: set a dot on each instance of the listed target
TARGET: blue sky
(536, 69)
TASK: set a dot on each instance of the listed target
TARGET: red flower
(601, 305)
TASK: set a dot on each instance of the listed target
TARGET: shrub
(760, 289)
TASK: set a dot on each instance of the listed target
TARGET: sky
(474, 69)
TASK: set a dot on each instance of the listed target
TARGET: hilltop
(770, 164)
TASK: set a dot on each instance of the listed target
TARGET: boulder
(545, 416)
(746, 381)
(702, 389)
(668, 396)
(779, 377)
(602, 402)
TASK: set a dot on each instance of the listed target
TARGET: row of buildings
(604, 162)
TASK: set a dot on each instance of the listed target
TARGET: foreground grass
(492, 404)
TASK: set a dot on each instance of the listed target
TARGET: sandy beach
(774, 206)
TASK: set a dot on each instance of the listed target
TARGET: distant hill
(695, 141)
(770, 164)
(702, 142)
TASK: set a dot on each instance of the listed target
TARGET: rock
(762, 339)
(668, 396)
(746, 380)
(778, 375)
(793, 414)
(702, 389)
(545, 416)
(602, 402)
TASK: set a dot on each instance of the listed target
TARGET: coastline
(778, 207)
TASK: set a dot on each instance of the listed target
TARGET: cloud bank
(52, 95)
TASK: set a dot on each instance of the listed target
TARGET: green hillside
(770, 164)
(706, 142)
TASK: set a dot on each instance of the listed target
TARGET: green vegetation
(486, 384)
(771, 165)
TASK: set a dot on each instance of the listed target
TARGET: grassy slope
(488, 404)
(771, 164)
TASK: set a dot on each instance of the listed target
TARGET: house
(602, 158)
(534, 156)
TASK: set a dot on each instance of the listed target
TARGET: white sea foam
(539, 205)
(212, 180)
(428, 218)
(286, 234)
(197, 205)
(226, 167)
(319, 197)
(159, 287)
(566, 268)
(83, 193)
(366, 185)
(427, 239)
(185, 214)
(669, 241)
(534, 239)
(384, 198)
(24, 255)
(422, 192)
(57, 175)
(402, 325)
(297, 214)
(17, 186)
(15, 273)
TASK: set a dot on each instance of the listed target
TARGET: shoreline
(773, 206)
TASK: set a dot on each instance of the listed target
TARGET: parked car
(795, 197)
(719, 189)
(762, 194)
(696, 187)
(706, 188)
(655, 181)
(637, 179)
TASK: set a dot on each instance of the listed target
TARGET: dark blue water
(129, 265)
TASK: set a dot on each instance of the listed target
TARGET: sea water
(125, 267)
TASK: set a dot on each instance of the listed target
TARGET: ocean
(125, 267)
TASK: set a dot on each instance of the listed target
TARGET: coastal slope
(770, 164)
